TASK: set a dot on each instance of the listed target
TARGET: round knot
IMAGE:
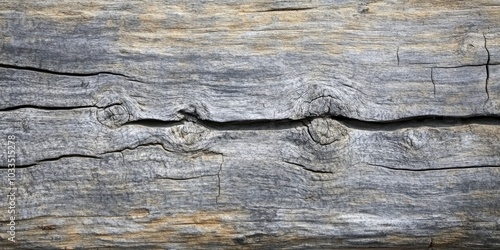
(189, 136)
(326, 131)
(113, 116)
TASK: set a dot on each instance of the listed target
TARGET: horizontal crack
(457, 66)
(44, 107)
(308, 169)
(100, 156)
(153, 123)
(40, 70)
(253, 124)
(259, 124)
(47, 71)
(283, 124)
(286, 9)
(417, 121)
(432, 169)
(140, 145)
(56, 159)
(183, 178)
(460, 66)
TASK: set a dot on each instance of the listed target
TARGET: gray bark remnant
(252, 124)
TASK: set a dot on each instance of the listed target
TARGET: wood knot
(327, 105)
(115, 107)
(190, 136)
(412, 140)
(326, 131)
(113, 116)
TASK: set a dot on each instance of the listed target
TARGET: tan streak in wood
(209, 227)
(229, 27)
(67, 230)
(201, 227)
(67, 13)
(485, 131)
(449, 237)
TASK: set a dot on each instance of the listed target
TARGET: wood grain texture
(251, 124)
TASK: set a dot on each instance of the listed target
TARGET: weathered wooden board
(251, 124)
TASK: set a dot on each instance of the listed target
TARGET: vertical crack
(397, 55)
(218, 179)
(432, 80)
(487, 69)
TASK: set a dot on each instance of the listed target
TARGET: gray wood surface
(250, 124)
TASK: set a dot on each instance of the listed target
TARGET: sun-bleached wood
(252, 124)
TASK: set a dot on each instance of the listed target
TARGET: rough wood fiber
(252, 124)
